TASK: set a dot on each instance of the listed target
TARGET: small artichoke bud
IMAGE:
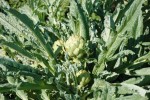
(3, 53)
(74, 46)
(58, 43)
(83, 78)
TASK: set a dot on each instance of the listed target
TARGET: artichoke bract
(83, 78)
(74, 46)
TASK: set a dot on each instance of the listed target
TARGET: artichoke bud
(83, 78)
(74, 46)
(3, 53)
(57, 44)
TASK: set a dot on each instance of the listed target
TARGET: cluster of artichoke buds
(83, 78)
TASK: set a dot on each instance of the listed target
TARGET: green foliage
(112, 63)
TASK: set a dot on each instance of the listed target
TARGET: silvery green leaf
(134, 80)
(142, 71)
(109, 27)
(135, 88)
(22, 94)
(28, 11)
(132, 97)
(44, 95)
(4, 4)
(11, 80)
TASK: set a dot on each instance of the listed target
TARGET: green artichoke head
(74, 46)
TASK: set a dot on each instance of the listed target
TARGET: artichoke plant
(74, 50)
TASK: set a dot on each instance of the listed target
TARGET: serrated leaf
(12, 24)
(17, 48)
(119, 13)
(28, 11)
(77, 10)
(35, 30)
(132, 16)
(9, 64)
